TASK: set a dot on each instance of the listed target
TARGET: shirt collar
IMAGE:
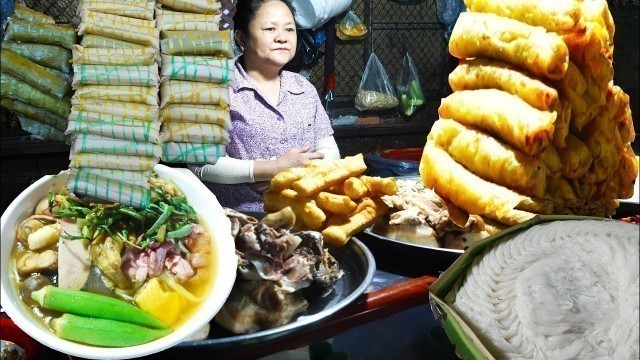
(288, 80)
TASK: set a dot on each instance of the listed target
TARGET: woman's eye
(270, 29)
(291, 29)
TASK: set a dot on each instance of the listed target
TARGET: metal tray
(358, 265)
(406, 258)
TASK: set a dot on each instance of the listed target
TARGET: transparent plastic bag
(375, 91)
(408, 87)
(351, 27)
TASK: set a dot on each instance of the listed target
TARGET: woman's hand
(265, 170)
(296, 157)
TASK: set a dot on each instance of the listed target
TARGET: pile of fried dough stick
(535, 124)
(330, 196)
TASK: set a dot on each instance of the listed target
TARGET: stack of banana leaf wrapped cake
(197, 70)
(36, 72)
(114, 117)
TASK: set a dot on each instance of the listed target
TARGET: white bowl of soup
(213, 292)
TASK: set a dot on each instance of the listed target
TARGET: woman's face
(272, 35)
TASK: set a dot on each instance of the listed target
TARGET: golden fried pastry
(530, 47)
(482, 73)
(489, 158)
(335, 204)
(553, 15)
(501, 114)
(465, 189)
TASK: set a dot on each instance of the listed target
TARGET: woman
(277, 119)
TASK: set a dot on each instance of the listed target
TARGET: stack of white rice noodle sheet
(36, 75)
(197, 71)
(114, 116)
(535, 124)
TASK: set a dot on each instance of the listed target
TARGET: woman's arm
(328, 147)
(228, 170)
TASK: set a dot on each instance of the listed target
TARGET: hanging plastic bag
(408, 87)
(375, 91)
(351, 27)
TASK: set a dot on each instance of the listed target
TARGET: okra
(93, 305)
(180, 233)
(104, 332)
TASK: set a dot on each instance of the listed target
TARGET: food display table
(392, 318)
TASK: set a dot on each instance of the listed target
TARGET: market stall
(516, 197)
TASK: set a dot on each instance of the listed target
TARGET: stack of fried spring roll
(114, 117)
(36, 72)
(197, 71)
(535, 124)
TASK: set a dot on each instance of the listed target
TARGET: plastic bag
(408, 87)
(375, 91)
(351, 27)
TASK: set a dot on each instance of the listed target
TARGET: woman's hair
(246, 11)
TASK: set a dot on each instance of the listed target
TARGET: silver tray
(359, 267)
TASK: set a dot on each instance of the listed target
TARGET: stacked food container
(114, 114)
(36, 72)
(197, 70)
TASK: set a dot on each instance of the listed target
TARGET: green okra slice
(85, 303)
(104, 332)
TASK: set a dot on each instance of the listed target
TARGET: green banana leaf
(35, 75)
(15, 89)
(40, 33)
(212, 43)
(50, 56)
(36, 113)
(24, 13)
(45, 131)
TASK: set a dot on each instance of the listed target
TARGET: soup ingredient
(31, 284)
(44, 237)
(31, 262)
(31, 224)
(42, 205)
(93, 305)
(73, 264)
(155, 299)
(104, 332)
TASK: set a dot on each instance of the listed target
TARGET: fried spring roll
(489, 158)
(451, 180)
(502, 114)
(603, 154)
(597, 11)
(559, 188)
(491, 74)
(526, 46)
(553, 15)
(627, 172)
(576, 158)
(562, 124)
(552, 162)
(590, 51)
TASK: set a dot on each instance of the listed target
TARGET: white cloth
(229, 170)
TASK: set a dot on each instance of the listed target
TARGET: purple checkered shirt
(263, 131)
